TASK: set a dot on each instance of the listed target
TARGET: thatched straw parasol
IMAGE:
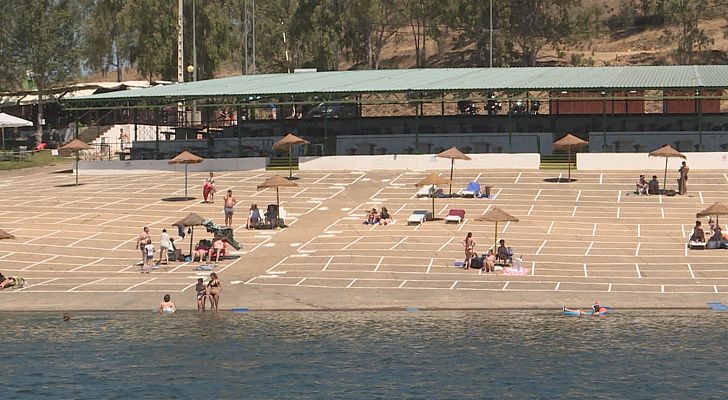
(668, 152)
(716, 209)
(496, 215)
(76, 145)
(568, 142)
(5, 235)
(191, 221)
(287, 142)
(434, 180)
(453, 154)
(185, 158)
(277, 181)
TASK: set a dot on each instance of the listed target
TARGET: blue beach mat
(240, 310)
(717, 306)
(204, 267)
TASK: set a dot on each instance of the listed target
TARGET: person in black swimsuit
(214, 287)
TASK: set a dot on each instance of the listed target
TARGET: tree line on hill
(50, 42)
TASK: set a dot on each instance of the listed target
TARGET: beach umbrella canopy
(277, 181)
(568, 142)
(668, 152)
(75, 146)
(453, 153)
(11, 121)
(287, 142)
(496, 215)
(434, 180)
(5, 235)
(192, 220)
(716, 209)
(185, 158)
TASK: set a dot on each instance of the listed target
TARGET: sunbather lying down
(10, 281)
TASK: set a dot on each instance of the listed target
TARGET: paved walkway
(585, 240)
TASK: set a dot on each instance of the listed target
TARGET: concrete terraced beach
(585, 240)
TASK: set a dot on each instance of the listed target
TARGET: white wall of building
(641, 161)
(145, 166)
(419, 162)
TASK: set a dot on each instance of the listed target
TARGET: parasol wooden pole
(290, 162)
(452, 166)
(185, 181)
(664, 180)
(77, 156)
(433, 201)
(278, 200)
(192, 234)
(495, 244)
(569, 163)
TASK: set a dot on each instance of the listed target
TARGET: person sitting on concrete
(372, 217)
(653, 186)
(6, 282)
(384, 217)
(642, 185)
(503, 253)
(716, 241)
(698, 234)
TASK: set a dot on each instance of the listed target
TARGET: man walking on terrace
(229, 208)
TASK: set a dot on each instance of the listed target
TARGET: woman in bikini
(214, 287)
(201, 290)
(469, 245)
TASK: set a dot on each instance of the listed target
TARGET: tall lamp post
(191, 70)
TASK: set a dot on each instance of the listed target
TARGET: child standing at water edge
(201, 290)
(149, 262)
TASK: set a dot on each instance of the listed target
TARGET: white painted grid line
(578, 195)
(376, 269)
(329, 262)
(541, 247)
(609, 289)
(445, 244)
(352, 243)
(594, 231)
(585, 273)
(85, 284)
(601, 177)
(351, 283)
(619, 197)
(39, 262)
(701, 197)
(277, 264)
(517, 178)
(637, 252)
(530, 210)
(537, 194)
(429, 267)
(398, 243)
(662, 211)
(690, 268)
(300, 282)
(548, 232)
(556, 289)
(715, 288)
(588, 250)
(533, 268)
(401, 285)
(87, 264)
(453, 285)
(637, 267)
(573, 213)
(505, 286)
(138, 284)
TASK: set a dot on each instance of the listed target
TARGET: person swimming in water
(167, 306)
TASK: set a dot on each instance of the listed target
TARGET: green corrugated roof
(442, 79)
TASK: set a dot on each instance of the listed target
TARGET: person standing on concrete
(682, 183)
(141, 242)
(229, 208)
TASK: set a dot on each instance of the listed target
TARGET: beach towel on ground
(204, 267)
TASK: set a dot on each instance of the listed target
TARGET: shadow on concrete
(69, 185)
(560, 180)
(177, 199)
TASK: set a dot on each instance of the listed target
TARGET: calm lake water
(363, 355)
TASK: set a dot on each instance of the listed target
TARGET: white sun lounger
(417, 217)
(425, 191)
